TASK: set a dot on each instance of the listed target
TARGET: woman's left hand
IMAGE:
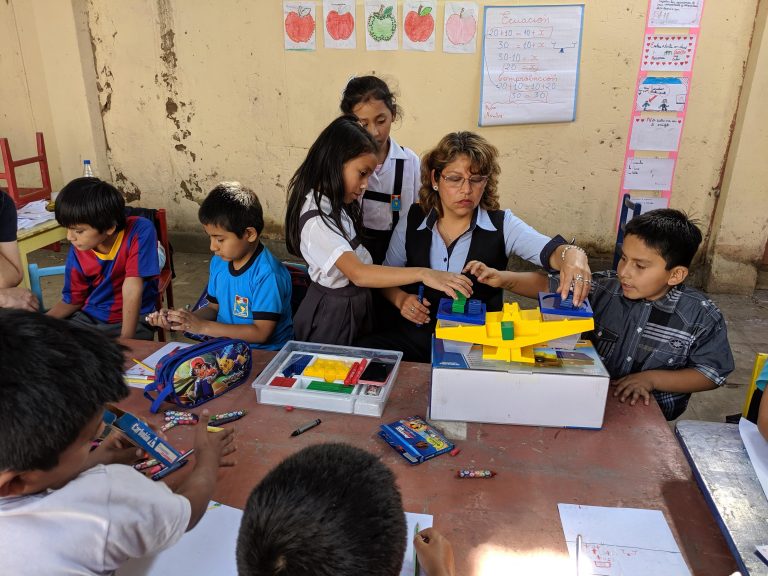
(414, 311)
(575, 275)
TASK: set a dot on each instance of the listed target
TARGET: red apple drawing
(460, 29)
(300, 25)
(419, 24)
(339, 26)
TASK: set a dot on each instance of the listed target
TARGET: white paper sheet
(675, 13)
(209, 548)
(648, 173)
(299, 25)
(647, 204)
(661, 94)
(460, 27)
(381, 24)
(530, 64)
(655, 133)
(422, 521)
(135, 373)
(668, 52)
(339, 24)
(621, 541)
(32, 214)
(419, 25)
(757, 448)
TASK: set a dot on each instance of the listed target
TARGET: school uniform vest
(377, 241)
(486, 246)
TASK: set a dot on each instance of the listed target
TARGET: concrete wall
(172, 96)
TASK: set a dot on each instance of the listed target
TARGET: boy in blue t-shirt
(249, 290)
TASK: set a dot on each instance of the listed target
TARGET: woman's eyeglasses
(475, 181)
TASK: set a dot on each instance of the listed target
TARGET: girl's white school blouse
(321, 246)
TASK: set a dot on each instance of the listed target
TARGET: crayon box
(414, 439)
(141, 434)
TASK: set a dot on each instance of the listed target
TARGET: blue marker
(420, 297)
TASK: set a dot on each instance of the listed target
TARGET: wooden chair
(22, 196)
(626, 206)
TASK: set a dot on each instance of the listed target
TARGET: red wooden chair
(22, 196)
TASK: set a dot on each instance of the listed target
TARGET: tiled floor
(747, 319)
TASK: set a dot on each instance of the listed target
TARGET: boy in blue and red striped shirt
(110, 280)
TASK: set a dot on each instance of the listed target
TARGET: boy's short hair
(328, 510)
(56, 377)
(93, 202)
(233, 207)
(670, 232)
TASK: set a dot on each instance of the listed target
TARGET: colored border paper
(531, 60)
(661, 94)
(381, 24)
(655, 133)
(419, 25)
(460, 27)
(339, 24)
(668, 52)
(648, 173)
(675, 13)
(299, 25)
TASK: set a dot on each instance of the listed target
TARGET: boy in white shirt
(63, 507)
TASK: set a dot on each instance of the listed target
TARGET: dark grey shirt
(683, 329)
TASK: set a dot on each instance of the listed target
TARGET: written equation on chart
(530, 64)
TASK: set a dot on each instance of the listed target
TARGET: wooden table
(31, 239)
(729, 483)
(505, 525)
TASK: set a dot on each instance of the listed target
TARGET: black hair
(322, 174)
(233, 207)
(328, 510)
(56, 378)
(360, 90)
(93, 202)
(670, 232)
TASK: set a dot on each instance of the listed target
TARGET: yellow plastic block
(530, 330)
(328, 370)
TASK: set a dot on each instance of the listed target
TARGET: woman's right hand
(484, 274)
(447, 282)
(413, 310)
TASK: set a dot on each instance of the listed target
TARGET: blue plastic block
(445, 312)
(551, 303)
(297, 366)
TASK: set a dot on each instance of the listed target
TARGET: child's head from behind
(328, 510)
(56, 379)
(336, 168)
(91, 210)
(373, 103)
(657, 252)
(233, 219)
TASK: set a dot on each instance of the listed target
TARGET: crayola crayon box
(139, 432)
(414, 439)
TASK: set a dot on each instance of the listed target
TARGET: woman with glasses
(456, 225)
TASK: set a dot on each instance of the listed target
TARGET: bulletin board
(530, 67)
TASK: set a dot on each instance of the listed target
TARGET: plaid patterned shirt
(683, 329)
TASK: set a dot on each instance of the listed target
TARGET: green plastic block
(507, 330)
(458, 305)
(321, 386)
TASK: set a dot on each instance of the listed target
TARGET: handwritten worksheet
(669, 52)
(661, 94)
(655, 133)
(620, 542)
(530, 64)
(648, 173)
(675, 13)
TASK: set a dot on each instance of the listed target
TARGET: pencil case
(414, 439)
(196, 374)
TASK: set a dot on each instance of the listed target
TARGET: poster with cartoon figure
(339, 24)
(299, 25)
(661, 94)
(381, 24)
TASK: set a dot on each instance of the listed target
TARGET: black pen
(302, 429)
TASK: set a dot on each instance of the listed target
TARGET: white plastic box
(365, 399)
(564, 388)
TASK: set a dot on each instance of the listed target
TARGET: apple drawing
(419, 24)
(300, 25)
(382, 24)
(460, 29)
(339, 26)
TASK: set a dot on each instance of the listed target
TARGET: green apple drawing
(382, 24)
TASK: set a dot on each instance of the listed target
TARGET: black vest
(486, 246)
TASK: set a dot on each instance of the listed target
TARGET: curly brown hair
(484, 160)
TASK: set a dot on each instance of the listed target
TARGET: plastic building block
(282, 381)
(297, 366)
(321, 386)
(507, 330)
(530, 329)
(552, 304)
(473, 314)
(354, 372)
(458, 305)
(328, 370)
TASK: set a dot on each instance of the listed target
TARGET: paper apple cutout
(460, 29)
(419, 24)
(339, 26)
(300, 25)
(382, 24)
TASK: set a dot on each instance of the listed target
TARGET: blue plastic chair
(35, 273)
(626, 206)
